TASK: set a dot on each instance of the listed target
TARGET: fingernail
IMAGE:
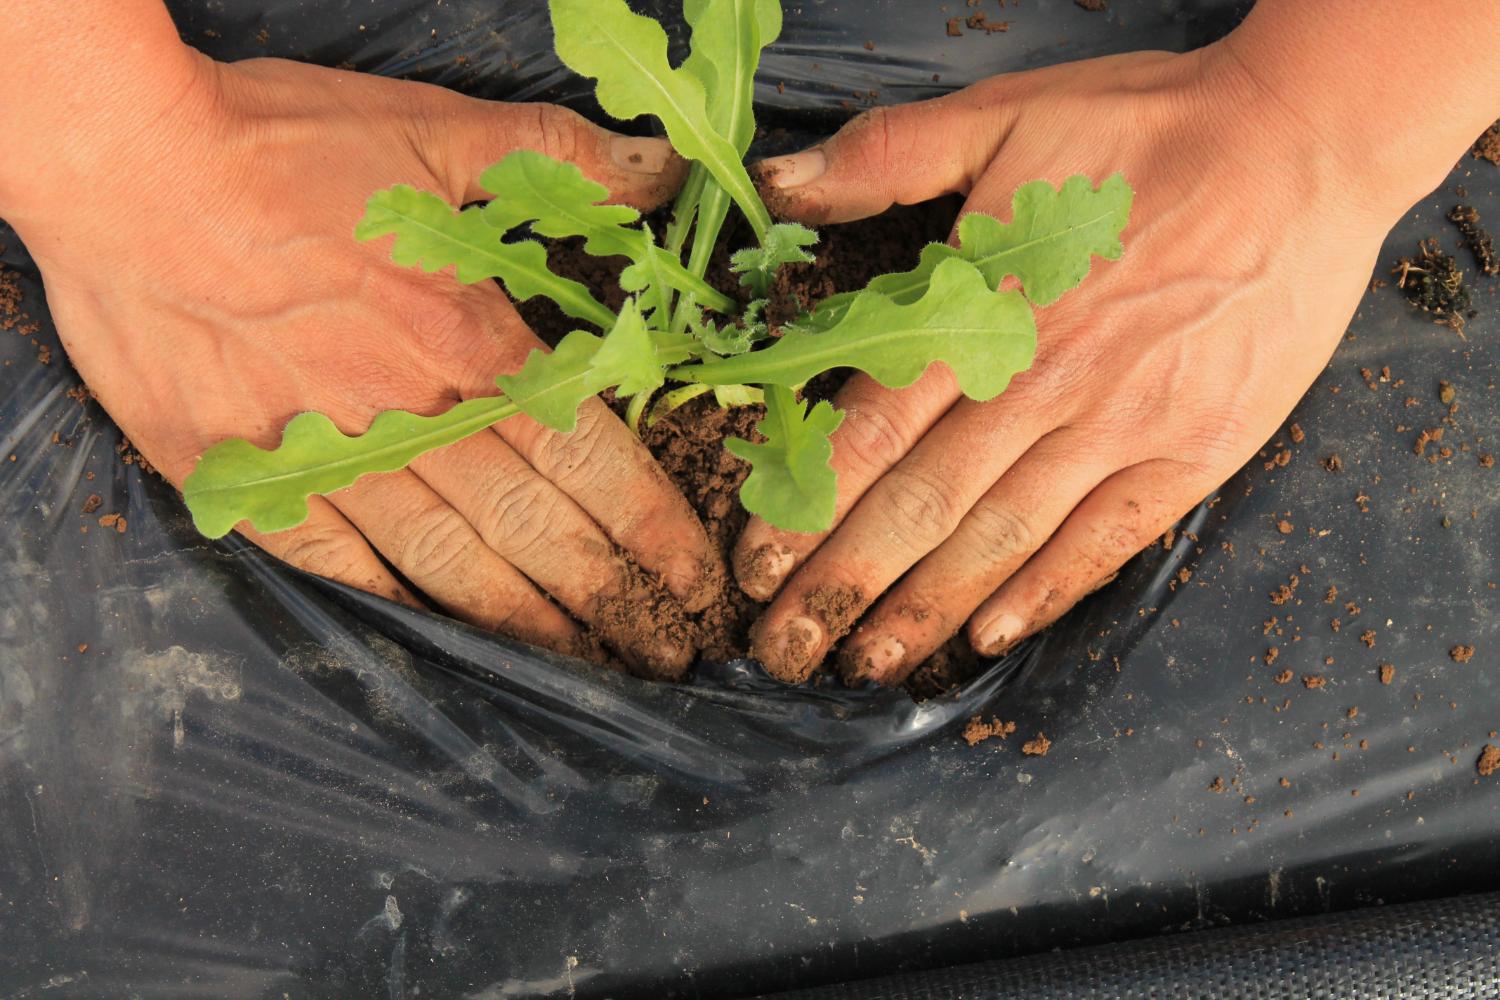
(999, 632)
(640, 156)
(686, 575)
(761, 574)
(878, 658)
(795, 170)
(792, 649)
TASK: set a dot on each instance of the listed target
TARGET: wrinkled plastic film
(252, 783)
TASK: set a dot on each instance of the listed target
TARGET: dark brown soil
(1480, 243)
(1433, 282)
(689, 442)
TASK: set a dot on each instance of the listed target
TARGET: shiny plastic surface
(221, 778)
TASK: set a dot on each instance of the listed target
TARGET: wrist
(79, 140)
(1384, 113)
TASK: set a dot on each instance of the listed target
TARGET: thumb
(902, 154)
(640, 172)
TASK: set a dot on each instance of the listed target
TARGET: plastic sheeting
(219, 777)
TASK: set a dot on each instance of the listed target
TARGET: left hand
(1250, 244)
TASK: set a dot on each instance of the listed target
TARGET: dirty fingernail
(878, 659)
(795, 170)
(999, 632)
(791, 649)
(686, 575)
(761, 573)
(640, 156)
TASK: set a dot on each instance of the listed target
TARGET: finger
(642, 172)
(600, 465)
(327, 545)
(885, 156)
(880, 426)
(437, 550)
(1118, 519)
(611, 475)
(909, 512)
(533, 526)
(1008, 524)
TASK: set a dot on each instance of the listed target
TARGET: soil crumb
(1462, 653)
(1480, 243)
(837, 607)
(953, 664)
(977, 731)
(1093, 5)
(1387, 673)
(1037, 747)
(1433, 282)
(1489, 761)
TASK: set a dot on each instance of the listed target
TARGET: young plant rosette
(676, 337)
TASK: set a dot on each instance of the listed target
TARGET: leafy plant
(674, 326)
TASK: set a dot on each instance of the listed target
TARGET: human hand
(1249, 247)
(206, 284)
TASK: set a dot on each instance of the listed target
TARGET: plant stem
(685, 210)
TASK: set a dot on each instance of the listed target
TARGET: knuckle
(324, 550)
(873, 437)
(567, 457)
(444, 323)
(432, 544)
(556, 130)
(1000, 533)
(920, 510)
(519, 518)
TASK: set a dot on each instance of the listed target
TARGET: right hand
(206, 284)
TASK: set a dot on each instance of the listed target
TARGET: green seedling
(676, 337)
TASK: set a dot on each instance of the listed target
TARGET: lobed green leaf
(550, 387)
(236, 481)
(728, 36)
(791, 484)
(984, 336)
(785, 243)
(1048, 245)
(431, 235)
(626, 54)
(558, 201)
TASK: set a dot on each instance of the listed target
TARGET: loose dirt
(1433, 282)
(1480, 243)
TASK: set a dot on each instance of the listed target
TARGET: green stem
(713, 207)
(685, 210)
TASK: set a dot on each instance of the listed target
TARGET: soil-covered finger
(437, 549)
(1114, 522)
(539, 530)
(1001, 531)
(612, 476)
(880, 427)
